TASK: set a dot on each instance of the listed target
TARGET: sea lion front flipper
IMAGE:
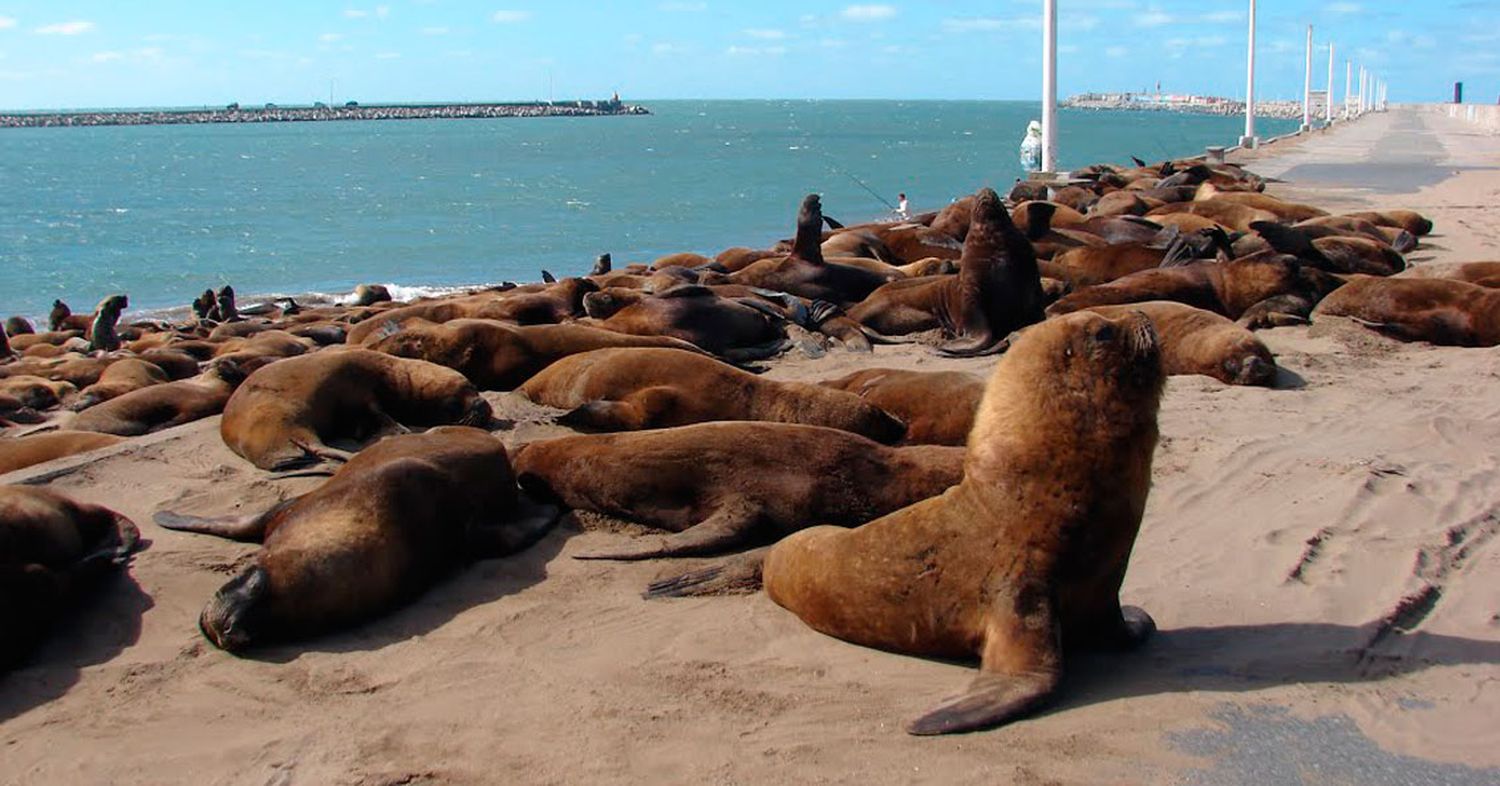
(531, 521)
(1020, 668)
(113, 554)
(726, 527)
(738, 575)
(758, 352)
(637, 411)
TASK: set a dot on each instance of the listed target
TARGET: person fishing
(901, 209)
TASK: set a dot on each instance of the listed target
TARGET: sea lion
(1227, 288)
(691, 260)
(1021, 559)
(1228, 214)
(13, 411)
(1409, 220)
(804, 272)
(19, 326)
(175, 363)
(717, 485)
(1194, 341)
(399, 516)
(224, 301)
(62, 318)
(1485, 274)
(206, 307)
(1283, 210)
(1334, 253)
(21, 452)
(37, 392)
(122, 376)
(6, 353)
(996, 291)
(737, 258)
(1398, 239)
(633, 389)
(497, 356)
(557, 303)
(284, 415)
(1436, 310)
(693, 314)
(1090, 265)
(101, 334)
(162, 406)
(370, 294)
(1122, 203)
(937, 406)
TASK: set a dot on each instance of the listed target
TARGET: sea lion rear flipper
(739, 575)
(531, 521)
(547, 277)
(637, 411)
(832, 224)
(117, 552)
(1020, 668)
(740, 355)
(973, 347)
(250, 528)
(726, 527)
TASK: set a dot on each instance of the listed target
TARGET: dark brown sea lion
(1409, 220)
(996, 291)
(1228, 288)
(399, 516)
(633, 389)
(556, 303)
(14, 410)
(51, 549)
(284, 415)
(101, 334)
(1022, 559)
(937, 406)
(1398, 239)
(177, 364)
(1194, 341)
(21, 452)
(804, 272)
(122, 376)
(1437, 310)
(370, 294)
(19, 326)
(224, 302)
(717, 485)
(691, 313)
(1485, 274)
(63, 318)
(1334, 253)
(6, 353)
(497, 356)
(163, 406)
(205, 307)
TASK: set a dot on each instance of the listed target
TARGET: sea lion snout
(228, 618)
(477, 414)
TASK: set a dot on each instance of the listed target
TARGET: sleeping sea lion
(937, 406)
(1437, 310)
(21, 452)
(691, 313)
(633, 389)
(1485, 274)
(285, 413)
(19, 326)
(716, 485)
(1194, 341)
(1227, 288)
(162, 406)
(1022, 559)
(1409, 220)
(400, 515)
(122, 376)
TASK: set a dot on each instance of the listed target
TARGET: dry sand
(1321, 559)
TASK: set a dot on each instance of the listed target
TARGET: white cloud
(388, 56)
(7, 22)
(755, 51)
(833, 43)
(106, 57)
(435, 31)
(1344, 8)
(664, 48)
(680, 7)
(510, 17)
(1222, 17)
(66, 28)
(1154, 17)
(868, 13)
(355, 13)
(765, 34)
(382, 11)
(329, 38)
(1116, 51)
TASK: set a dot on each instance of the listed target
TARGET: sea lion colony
(1092, 292)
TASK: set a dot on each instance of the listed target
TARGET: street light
(1248, 140)
(1049, 85)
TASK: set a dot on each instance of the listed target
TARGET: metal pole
(1049, 86)
(1348, 86)
(1328, 95)
(1248, 140)
(1307, 85)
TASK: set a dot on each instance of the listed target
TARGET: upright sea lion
(1228, 288)
(101, 333)
(163, 406)
(1194, 341)
(497, 356)
(122, 376)
(1437, 310)
(716, 485)
(285, 413)
(691, 313)
(224, 300)
(6, 353)
(633, 389)
(804, 272)
(937, 406)
(400, 515)
(21, 452)
(51, 548)
(1020, 560)
(206, 307)
(996, 291)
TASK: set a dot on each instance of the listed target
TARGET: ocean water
(163, 212)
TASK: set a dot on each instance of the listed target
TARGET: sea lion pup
(62, 318)
(162, 406)
(497, 356)
(122, 376)
(101, 333)
(937, 406)
(693, 314)
(19, 326)
(1194, 341)
(1409, 220)
(804, 272)
(634, 389)
(1485, 274)
(1227, 288)
(1021, 559)
(51, 549)
(399, 516)
(996, 291)
(224, 301)
(1436, 310)
(718, 485)
(22, 452)
(285, 413)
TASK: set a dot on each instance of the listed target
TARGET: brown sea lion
(1228, 288)
(176, 364)
(24, 341)
(634, 389)
(21, 452)
(1398, 239)
(1052, 214)
(937, 406)
(6, 353)
(122, 376)
(224, 302)
(1283, 210)
(953, 219)
(685, 259)
(1485, 274)
(1228, 214)
(370, 294)
(1122, 203)
(1334, 253)
(717, 485)
(102, 333)
(284, 415)
(804, 272)
(163, 406)
(51, 549)
(1022, 559)
(1409, 220)
(204, 306)
(1436, 310)
(13, 411)
(399, 516)
(693, 314)
(62, 318)
(19, 326)
(497, 356)
(738, 258)
(1194, 341)
(997, 288)
(556, 303)
(37, 392)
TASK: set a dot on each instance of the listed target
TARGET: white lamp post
(1248, 140)
(1049, 86)
(1307, 85)
(1328, 95)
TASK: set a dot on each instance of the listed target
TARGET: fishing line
(833, 164)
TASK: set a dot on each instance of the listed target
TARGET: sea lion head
(609, 301)
(204, 304)
(475, 411)
(602, 264)
(233, 618)
(113, 305)
(1250, 363)
(60, 312)
(19, 326)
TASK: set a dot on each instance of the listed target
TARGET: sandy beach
(1321, 559)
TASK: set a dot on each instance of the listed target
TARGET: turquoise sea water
(161, 212)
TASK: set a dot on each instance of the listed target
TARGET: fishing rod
(832, 164)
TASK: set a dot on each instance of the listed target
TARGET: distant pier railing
(271, 113)
(1485, 116)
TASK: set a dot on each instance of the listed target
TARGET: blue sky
(194, 52)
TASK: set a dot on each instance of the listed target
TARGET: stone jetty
(270, 113)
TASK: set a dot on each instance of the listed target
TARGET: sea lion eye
(1104, 333)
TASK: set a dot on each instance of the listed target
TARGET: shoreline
(270, 113)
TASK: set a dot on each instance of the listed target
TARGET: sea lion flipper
(739, 575)
(989, 701)
(726, 527)
(531, 521)
(244, 528)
